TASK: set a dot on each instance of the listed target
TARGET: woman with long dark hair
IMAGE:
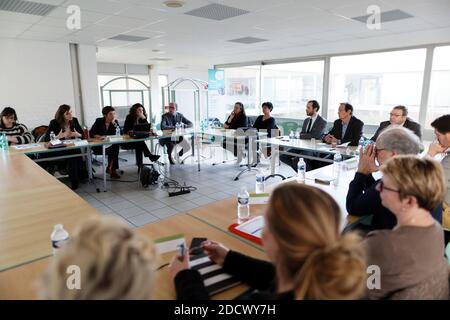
(237, 119)
(66, 126)
(137, 115)
(15, 132)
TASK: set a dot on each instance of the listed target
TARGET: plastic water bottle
(361, 144)
(297, 134)
(259, 185)
(5, 142)
(2, 141)
(337, 159)
(243, 205)
(291, 135)
(52, 136)
(301, 170)
(177, 127)
(117, 130)
(59, 237)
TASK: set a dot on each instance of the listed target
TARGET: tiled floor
(138, 206)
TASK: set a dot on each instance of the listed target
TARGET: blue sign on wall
(216, 80)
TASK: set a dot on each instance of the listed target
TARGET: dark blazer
(56, 128)
(99, 128)
(317, 129)
(258, 274)
(130, 122)
(268, 125)
(353, 132)
(409, 124)
(364, 200)
(240, 121)
(169, 121)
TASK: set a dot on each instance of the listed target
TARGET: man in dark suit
(347, 128)
(313, 127)
(399, 117)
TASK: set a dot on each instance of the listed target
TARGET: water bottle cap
(58, 227)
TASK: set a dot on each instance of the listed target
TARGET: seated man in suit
(399, 117)
(347, 128)
(362, 198)
(169, 121)
(313, 127)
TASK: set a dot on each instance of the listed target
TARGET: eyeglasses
(377, 150)
(396, 115)
(380, 187)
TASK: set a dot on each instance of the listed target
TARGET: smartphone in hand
(196, 246)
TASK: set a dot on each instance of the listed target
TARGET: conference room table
(36, 150)
(22, 282)
(34, 201)
(222, 214)
(313, 149)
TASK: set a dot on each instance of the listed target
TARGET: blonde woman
(114, 261)
(411, 256)
(309, 259)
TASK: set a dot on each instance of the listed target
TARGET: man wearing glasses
(399, 117)
(362, 198)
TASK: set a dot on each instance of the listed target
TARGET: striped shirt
(19, 131)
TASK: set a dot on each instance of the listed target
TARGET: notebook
(250, 230)
(214, 277)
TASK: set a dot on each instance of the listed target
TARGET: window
(374, 83)
(123, 93)
(241, 84)
(289, 86)
(439, 95)
(163, 80)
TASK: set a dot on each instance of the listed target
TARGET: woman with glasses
(409, 258)
(15, 132)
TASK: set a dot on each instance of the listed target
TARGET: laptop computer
(141, 130)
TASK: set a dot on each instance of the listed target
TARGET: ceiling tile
(107, 7)
(18, 17)
(115, 21)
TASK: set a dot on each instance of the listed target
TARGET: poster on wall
(216, 81)
(216, 92)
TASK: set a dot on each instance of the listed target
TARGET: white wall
(87, 63)
(35, 78)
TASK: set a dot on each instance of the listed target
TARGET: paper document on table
(258, 198)
(343, 145)
(26, 146)
(81, 143)
(168, 244)
(252, 227)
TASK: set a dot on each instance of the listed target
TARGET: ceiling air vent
(126, 37)
(215, 11)
(248, 40)
(392, 15)
(27, 7)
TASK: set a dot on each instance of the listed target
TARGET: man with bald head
(362, 198)
(169, 121)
